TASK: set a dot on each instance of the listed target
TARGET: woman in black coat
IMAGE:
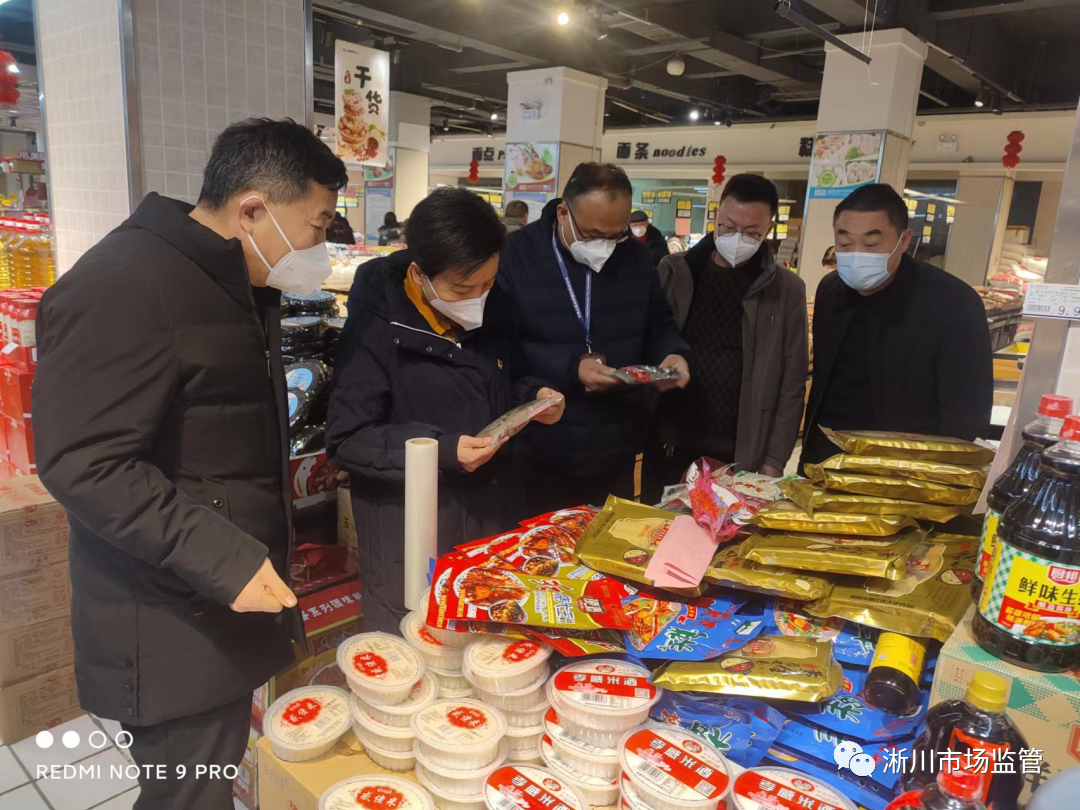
(429, 351)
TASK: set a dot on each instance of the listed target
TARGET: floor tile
(125, 801)
(25, 798)
(11, 772)
(112, 727)
(84, 793)
(31, 755)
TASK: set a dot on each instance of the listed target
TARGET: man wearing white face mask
(898, 345)
(159, 408)
(745, 318)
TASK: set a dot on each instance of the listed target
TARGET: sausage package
(928, 603)
(904, 489)
(742, 729)
(787, 516)
(919, 469)
(910, 445)
(769, 667)
(728, 568)
(836, 554)
(697, 631)
(812, 498)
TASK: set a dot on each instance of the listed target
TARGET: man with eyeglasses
(587, 301)
(745, 319)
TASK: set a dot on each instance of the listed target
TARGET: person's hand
(593, 377)
(553, 413)
(265, 593)
(678, 363)
(772, 472)
(474, 453)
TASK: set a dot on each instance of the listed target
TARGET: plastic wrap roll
(421, 513)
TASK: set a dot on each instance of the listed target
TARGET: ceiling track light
(983, 96)
(676, 65)
(694, 115)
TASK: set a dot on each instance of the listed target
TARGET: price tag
(1053, 301)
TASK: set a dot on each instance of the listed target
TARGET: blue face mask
(864, 271)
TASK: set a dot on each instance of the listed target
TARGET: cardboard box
(1045, 707)
(19, 434)
(35, 649)
(298, 785)
(246, 784)
(37, 596)
(39, 703)
(15, 386)
(33, 527)
(346, 525)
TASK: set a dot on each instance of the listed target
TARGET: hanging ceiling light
(676, 65)
(694, 115)
(981, 97)
(494, 116)
(563, 17)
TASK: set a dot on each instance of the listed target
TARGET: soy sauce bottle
(1029, 611)
(892, 683)
(1044, 432)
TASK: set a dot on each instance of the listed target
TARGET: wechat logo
(850, 755)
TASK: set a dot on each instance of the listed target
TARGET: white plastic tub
(380, 790)
(629, 799)
(445, 800)
(524, 743)
(604, 695)
(451, 638)
(424, 692)
(527, 787)
(581, 755)
(397, 761)
(511, 699)
(305, 723)
(461, 735)
(674, 769)
(598, 791)
(451, 679)
(497, 664)
(455, 694)
(434, 652)
(391, 738)
(758, 789)
(527, 716)
(380, 668)
(459, 783)
(599, 739)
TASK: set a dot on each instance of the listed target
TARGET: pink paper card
(683, 556)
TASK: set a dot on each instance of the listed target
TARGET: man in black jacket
(649, 235)
(587, 300)
(159, 405)
(898, 345)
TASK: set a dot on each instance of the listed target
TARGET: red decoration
(474, 171)
(719, 162)
(9, 95)
(1016, 136)
(1011, 159)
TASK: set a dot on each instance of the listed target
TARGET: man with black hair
(745, 319)
(159, 408)
(587, 300)
(516, 216)
(898, 345)
(429, 351)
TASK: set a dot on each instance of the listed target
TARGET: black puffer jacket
(159, 408)
(395, 379)
(631, 324)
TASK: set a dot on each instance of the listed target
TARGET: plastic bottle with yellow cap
(977, 723)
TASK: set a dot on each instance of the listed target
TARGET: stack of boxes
(18, 362)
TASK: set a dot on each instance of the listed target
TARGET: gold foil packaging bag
(729, 569)
(884, 557)
(910, 445)
(919, 469)
(813, 499)
(904, 489)
(787, 516)
(769, 667)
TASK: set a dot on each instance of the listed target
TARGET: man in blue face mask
(898, 345)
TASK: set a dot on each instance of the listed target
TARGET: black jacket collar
(891, 303)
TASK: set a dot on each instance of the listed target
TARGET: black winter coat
(159, 409)
(657, 245)
(631, 324)
(932, 367)
(395, 379)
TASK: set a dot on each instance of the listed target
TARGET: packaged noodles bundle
(787, 516)
(937, 471)
(836, 554)
(910, 445)
(769, 667)
(730, 569)
(812, 498)
(904, 489)
(742, 729)
(928, 603)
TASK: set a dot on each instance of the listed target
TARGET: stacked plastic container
(510, 674)
(528, 787)
(305, 723)
(376, 791)
(668, 768)
(441, 650)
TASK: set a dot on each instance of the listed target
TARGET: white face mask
(593, 253)
(300, 272)
(638, 230)
(864, 271)
(736, 248)
(468, 314)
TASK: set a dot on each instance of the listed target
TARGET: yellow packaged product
(921, 470)
(928, 603)
(769, 667)
(729, 569)
(910, 445)
(787, 516)
(836, 554)
(904, 489)
(812, 499)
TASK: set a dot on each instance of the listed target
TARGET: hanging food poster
(532, 167)
(361, 104)
(843, 161)
(381, 176)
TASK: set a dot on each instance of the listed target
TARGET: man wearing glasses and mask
(587, 300)
(745, 320)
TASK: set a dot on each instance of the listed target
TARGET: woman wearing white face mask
(429, 350)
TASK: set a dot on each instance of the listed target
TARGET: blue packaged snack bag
(853, 644)
(798, 735)
(864, 791)
(696, 630)
(849, 716)
(740, 728)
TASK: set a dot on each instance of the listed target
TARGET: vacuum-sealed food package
(919, 469)
(511, 422)
(640, 375)
(787, 516)
(730, 569)
(836, 554)
(740, 728)
(852, 643)
(910, 445)
(904, 489)
(676, 631)
(812, 498)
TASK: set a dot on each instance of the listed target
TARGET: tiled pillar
(126, 115)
